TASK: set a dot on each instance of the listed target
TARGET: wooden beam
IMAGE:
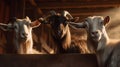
(82, 11)
(59, 5)
(90, 13)
(86, 12)
(33, 3)
(49, 60)
(77, 10)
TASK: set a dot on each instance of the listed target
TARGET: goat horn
(53, 12)
(42, 20)
(67, 14)
(45, 19)
(50, 14)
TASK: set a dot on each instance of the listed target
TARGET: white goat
(107, 50)
(22, 34)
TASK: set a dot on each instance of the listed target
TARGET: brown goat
(59, 32)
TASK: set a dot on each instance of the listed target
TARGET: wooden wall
(8, 9)
(4, 11)
(11, 8)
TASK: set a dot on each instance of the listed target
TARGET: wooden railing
(54, 60)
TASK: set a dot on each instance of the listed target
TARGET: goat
(60, 32)
(106, 49)
(22, 34)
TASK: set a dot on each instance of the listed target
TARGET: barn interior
(80, 8)
(35, 9)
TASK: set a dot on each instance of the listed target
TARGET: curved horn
(46, 18)
(67, 14)
(42, 20)
(52, 12)
(49, 14)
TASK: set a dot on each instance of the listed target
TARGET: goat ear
(106, 20)
(6, 27)
(27, 18)
(35, 24)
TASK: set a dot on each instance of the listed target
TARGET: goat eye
(101, 23)
(15, 26)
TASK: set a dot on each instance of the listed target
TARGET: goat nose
(94, 32)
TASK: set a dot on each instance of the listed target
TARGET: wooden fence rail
(54, 60)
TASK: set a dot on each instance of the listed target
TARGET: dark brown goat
(60, 32)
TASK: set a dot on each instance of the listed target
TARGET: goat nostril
(92, 33)
(95, 32)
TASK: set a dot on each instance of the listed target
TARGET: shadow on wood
(54, 60)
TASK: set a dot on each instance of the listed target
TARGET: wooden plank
(72, 0)
(53, 60)
(31, 5)
(88, 13)
(92, 11)
(76, 10)
(58, 5)
(85, 12)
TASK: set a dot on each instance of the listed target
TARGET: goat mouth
(59, 36)
(96, 38)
